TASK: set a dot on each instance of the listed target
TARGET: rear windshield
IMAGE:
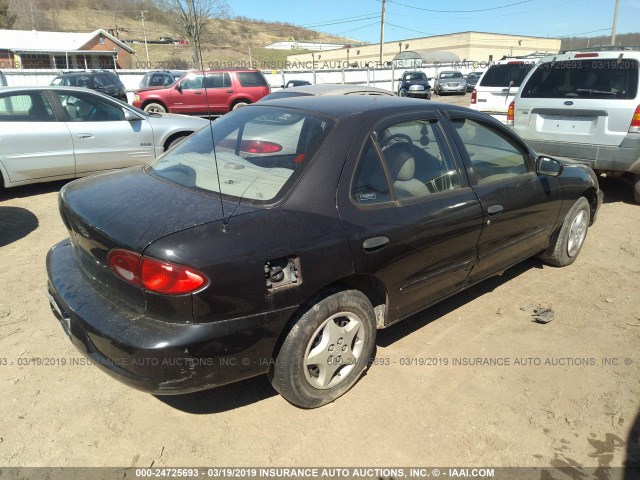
(251, 79)
(502, 75)
(589, 78)
(259, 153)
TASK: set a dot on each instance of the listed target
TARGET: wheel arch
(592, 197)
(173, 136)
(372, 287)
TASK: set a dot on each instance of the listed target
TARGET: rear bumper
(153, 355)
(623, 158)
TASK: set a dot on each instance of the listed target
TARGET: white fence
(375, 77)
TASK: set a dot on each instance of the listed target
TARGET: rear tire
(566, 246)
(239, 105)
(155, 108)
(326, 351)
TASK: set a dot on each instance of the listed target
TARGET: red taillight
(251, 146)
(155, 275)
(635, 121)
(585, 55)
(474, 96)
(510, 114)
(259, 146)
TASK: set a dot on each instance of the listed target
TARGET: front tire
(636, 190)
(566, 246)
(155, 108)
(326, 351)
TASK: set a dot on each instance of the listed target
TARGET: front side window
(493, 155)
(85, 108)
(596, 79)
(192, 82)
(257, 157)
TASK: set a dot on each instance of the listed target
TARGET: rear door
(219, 91)
(410, 217)
(24, 155)
(102, 138)
(519, 206)
(586, 101)
(498, 86)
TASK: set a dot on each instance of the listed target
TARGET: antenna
(225, 221)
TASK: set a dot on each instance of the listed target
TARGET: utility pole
(144, 32)
(615, 21)
(382, 30)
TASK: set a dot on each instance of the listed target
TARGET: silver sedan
(55, 133)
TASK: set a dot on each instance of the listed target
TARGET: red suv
(223, 90)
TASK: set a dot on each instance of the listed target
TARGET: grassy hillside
(223, 40)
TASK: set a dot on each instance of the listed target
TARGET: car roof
(338, 89)
(591, 55)
(341, 107)
(85, 91)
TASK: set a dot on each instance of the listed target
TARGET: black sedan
(414, 84)
(281, 237)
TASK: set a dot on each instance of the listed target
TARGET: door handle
(375, 243)
(229, 91)
(494, 209)
(84, 135)
(197, 93)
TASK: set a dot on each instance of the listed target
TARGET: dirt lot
(564, 394)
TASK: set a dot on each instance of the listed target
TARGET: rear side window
(217, 80)
(503, 75)
(592, 78)
(26, 107)
(251, 79)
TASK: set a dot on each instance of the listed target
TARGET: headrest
(403, 166)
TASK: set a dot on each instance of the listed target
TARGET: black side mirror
(178, 88)
(549, 166)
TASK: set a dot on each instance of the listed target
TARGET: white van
(584, 106)
(498, 86)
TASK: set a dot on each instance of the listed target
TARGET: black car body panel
(403, 253)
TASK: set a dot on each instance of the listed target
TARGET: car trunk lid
(129, 210)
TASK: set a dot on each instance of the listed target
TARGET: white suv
(498, 86)
(584, 106)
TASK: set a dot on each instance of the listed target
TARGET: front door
(102, 138)
(519, 206)
(188, 96)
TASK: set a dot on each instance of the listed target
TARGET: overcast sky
(360, 19)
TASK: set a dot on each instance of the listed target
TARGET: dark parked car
(414, 84)
(296, 83)
(212, 265)
(160, 78)
(102, 81)
(471, 79)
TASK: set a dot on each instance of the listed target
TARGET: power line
(460, 11)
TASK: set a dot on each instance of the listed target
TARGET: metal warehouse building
(469, 46)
